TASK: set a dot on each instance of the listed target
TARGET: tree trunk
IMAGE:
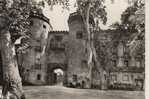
(92, 58)
(11, 77)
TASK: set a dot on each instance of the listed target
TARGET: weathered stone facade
(56, 55)
(66, 50)
(77, 52)
(124, 67)
(33, 62)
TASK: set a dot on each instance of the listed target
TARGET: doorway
(57, 77)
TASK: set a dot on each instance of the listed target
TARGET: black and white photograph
(72, 49)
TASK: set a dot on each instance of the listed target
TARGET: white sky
(58, 16)
(58, 71)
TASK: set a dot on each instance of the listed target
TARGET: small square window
(83, 63)
(58, 37)
(114, 77)
(114, 63)
(38, 49)
(79, 35)
(38, 66)
(125, 78)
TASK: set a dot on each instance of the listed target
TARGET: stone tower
(77, 63)
(33, 61)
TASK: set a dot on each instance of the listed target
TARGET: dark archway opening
(57, 74)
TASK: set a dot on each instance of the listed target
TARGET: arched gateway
(57, 74)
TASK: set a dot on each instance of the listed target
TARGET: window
(126, 63)
(105, 76)
(38, 66)
(58, 37)
(114, 77)
(79, 35)
(114, 63)
(75, 78)
(44, 26)
(27, 70)
(31, 23)
(38, 77)
(38, 49)
(125, 78)
(83, 63)
(138, 63)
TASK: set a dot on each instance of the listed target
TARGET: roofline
(77, 14)
(40, 16)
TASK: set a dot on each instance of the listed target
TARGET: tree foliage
(91, 10)
(97, 9)
(133, 18)
(133, 22)
(15, 13)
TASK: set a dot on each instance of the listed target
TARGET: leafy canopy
(133, 18)
(97, 9)
(16, 13)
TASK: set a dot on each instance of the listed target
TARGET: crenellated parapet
(58, 32)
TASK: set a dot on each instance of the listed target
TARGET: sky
(58, 17)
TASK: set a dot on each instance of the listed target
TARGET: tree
(133, 18)
(133, 22)
(13, 17)
(14, 24)
(96, 10)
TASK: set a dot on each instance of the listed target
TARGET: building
(124, 68)
(56, 56)
(77, 51)
(61, 57)
(67, 51)
(33, 62)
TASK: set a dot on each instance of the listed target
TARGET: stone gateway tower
(77, 63)
(33, 61)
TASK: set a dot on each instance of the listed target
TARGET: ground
(59, 92)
